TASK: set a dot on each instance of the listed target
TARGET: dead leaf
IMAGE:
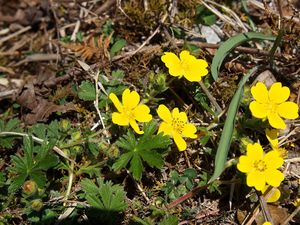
(40, 108)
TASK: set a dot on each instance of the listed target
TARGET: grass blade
(227, 132)
(230, 44)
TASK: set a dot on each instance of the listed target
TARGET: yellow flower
(296, 203)
(267, 223)
(272, 104)
(187, 65)
(261, 168)
(272, 136)
(176, 125)
(130, 111)
(274, 197)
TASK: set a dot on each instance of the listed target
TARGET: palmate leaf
(32, 164)
(141, 150)
(105, 195)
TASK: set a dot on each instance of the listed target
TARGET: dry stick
(38, 57)
(265, 209)
(2, 40)
(38, 140)
(139, 187)
(199, 44)
(210, 97)
(105, 6)
(96, 103)
(290, 217)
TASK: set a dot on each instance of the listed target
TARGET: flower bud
(37, 205)
(29, 187)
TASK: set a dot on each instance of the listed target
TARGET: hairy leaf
(87, 91)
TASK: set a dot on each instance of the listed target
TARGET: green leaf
(16, 183)
(117, 46)
(122, 161)
(87, 91)
(107, 196)
(227, 132)
(153, 159)
(136, 167)
(230, 44)
(12, 125)
(39, 177)
(89, 187)
(28, 151)
(170, 220)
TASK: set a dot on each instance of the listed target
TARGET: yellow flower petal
(181, 144)
(202, 65)
(258, 110)
(164, 113)
(274, 177)
(186, 56)
(166, 128)
(135, 127)
(273, 160)
(288, 110)
(272, 136)
(141, 113)
(182, 117)
(256, 179)
(245, 164)
(255, 151)
(173, 63)
(260, 93)
(130, 99)
(192, 75)
(189, 130)
(274, 197)
(115, 101)
(275, 121)
(278, 94)
(120, 119)
(175, 113)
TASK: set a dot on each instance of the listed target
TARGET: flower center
(128, 112)
(185, 65)
(272, 107)
(178, 125)
(260, 165)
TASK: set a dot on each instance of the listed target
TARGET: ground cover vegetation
(149, 112)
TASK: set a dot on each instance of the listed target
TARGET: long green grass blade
(230, 44)
(227, 132)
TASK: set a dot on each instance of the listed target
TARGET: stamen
(178, 125)
(260, 165)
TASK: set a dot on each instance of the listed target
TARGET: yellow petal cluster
(186, 65)
(261, 168)
(130, 110)
(272, 104)
(176, 125)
